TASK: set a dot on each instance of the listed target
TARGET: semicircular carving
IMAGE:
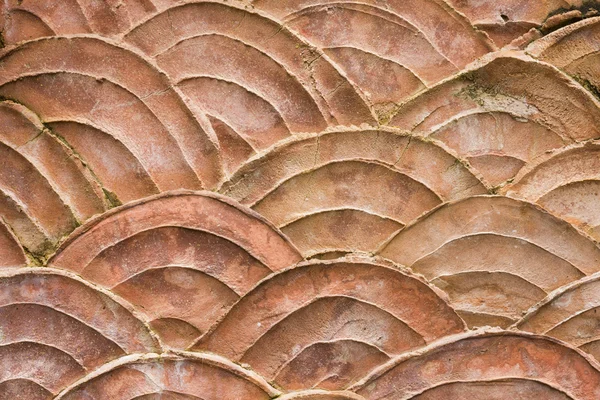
(198, 251)
(324, 324)
(565, 183)
(56, 328)
(299, 199)
(159, 377)
(569, 314)
(511, 83)
(501, 389)
(355, 35)
(574, 49)
(491, 358)
(324, 191)
(158, 107)
(315, 93)
(487, 253)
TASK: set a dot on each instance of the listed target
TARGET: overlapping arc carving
(323, 325)
(299, 199)
(325, 191)
(444, 369)
(56, 328)
(494, 256)
(199, 253)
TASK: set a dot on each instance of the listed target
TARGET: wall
(299, 199)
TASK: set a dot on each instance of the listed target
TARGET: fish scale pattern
(299, 199)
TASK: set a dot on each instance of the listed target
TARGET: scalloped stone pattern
(300, 200)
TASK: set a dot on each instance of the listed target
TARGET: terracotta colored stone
(265, 44)
(322, 395)
(11, 253)
(497, 144)
(67, 175)
(508, 82)
(570, 314)
(574, 49)
(173, 378)
(55, 328)
(566, 183)
(324, 191)
(299, 199)
(502, 389)
(106, 62)
(316, 321)
(476, 249)
(489, 358)
(182, 259)
(504, 21)
(433, 22)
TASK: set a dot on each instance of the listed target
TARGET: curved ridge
(337, 99)
(348, 199)
(504, 355)
(568, 314)
(498, 389)
(564, 182)
(574, 49)
(446, 23)
(74, 17)
(142, 374)
(11, 252)
(31, 195)
(86, 55)
(82, 96)
(179, 208)
(324, 190)
(48, 367)
(506, 81)
(69, 178)
(99, 310)
(360, 26)
(497, 144)
(486, 252)
(313, 290)
(506, 23)
(198, 251)
(265, 76)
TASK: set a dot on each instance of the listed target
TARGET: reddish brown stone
(491, 358)
(173, 378)
(392, 176)
(317, 324)
(56, 328)
(494, 256)
(566, 183)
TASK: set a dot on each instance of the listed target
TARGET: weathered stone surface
(55, 328)
(182, 259)
(325, 191)
(299, 199)
(172, 377)
(488, 358)
(321, 323)
(505, 21)
(494, 256)
(569, 314)
(566, 183)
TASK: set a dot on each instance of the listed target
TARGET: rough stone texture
(300, 199)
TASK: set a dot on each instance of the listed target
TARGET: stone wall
(300, 199)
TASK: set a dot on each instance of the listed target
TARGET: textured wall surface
(300, 199)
